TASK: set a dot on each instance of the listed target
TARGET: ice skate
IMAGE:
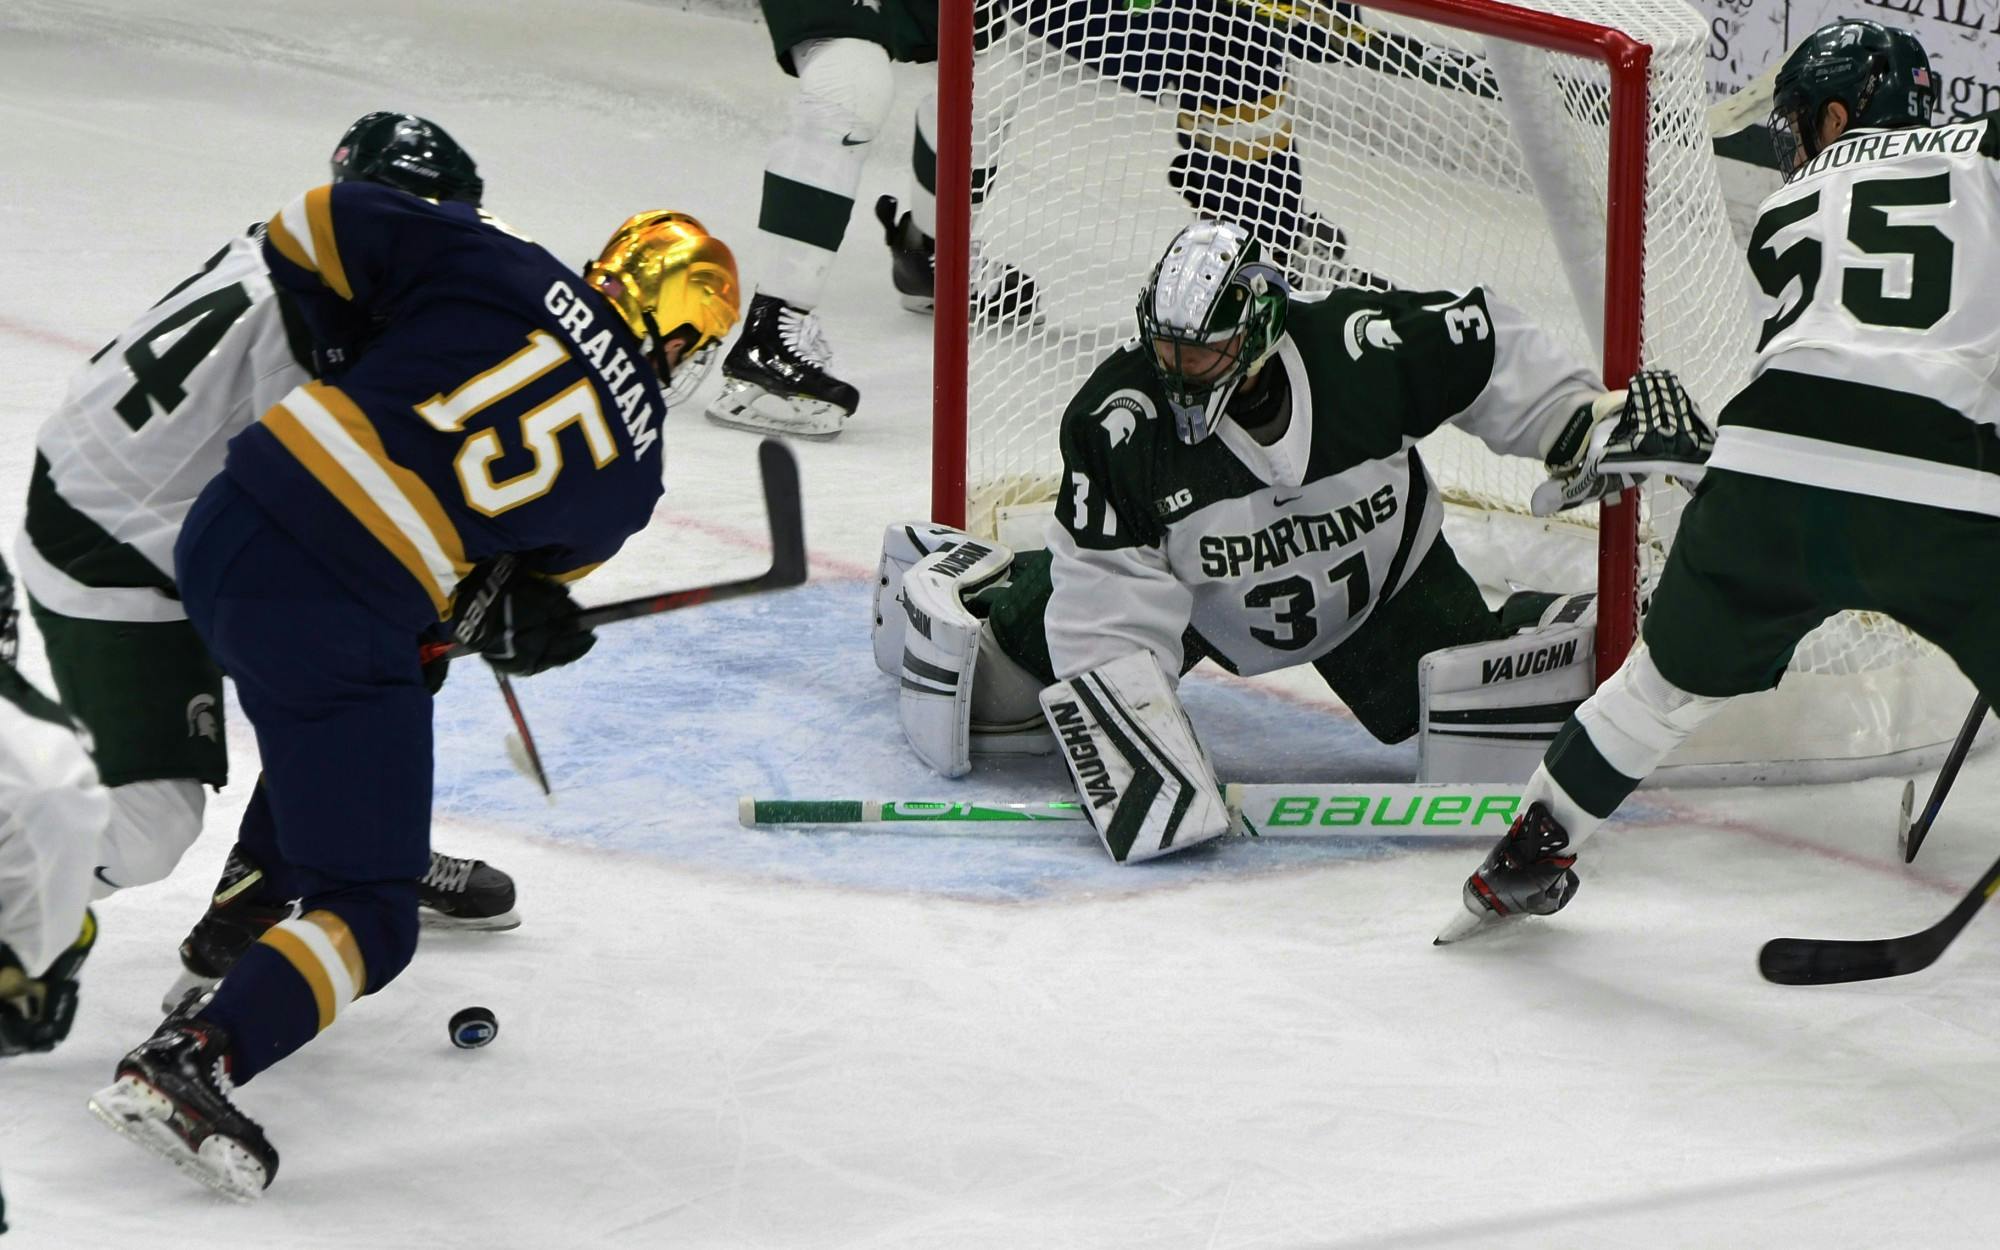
(171, 1096)
(1006, 296)
(1528, 873)
(913, 256)
(466, 894)
(231, 925)
(775, 379)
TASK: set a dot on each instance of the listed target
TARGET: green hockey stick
(1359, 810)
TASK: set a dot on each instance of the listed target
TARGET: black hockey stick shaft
(786, 515)
(1942, 786)
(1832, 961)
(541, 776)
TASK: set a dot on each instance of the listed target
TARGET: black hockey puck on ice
(473, 1028)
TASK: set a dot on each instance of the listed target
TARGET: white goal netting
(1368, 148)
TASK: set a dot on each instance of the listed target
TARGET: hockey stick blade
(1833, 961)
(788, 557)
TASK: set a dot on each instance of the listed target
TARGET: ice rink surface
(714, 1037)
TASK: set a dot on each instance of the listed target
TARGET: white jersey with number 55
(1879, 268)
(142, 430)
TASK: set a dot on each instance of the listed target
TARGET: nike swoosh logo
(1279, 503)
(99, 872)
(849, 141)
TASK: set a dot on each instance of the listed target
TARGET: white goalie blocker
(1490, 709)
(1144, 779)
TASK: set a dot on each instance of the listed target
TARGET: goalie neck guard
(1212, 312)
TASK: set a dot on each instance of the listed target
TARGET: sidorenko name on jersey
(1890, 144)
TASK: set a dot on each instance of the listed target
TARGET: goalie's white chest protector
(1283, 575)
(1879, 263)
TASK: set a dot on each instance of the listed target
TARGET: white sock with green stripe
(845, 87)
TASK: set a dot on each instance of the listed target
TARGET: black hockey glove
(35, 1013)
(522, 622)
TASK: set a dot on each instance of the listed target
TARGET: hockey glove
(1610, 444)
(36, 1012)
(522, 622)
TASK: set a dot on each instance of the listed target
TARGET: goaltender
(1242, 484)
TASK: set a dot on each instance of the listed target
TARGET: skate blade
(431, 918)
(1470, 924)
(925, 304)
(746, 407)
(141, 1114)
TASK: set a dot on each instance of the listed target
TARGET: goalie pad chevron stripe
(1145, 782)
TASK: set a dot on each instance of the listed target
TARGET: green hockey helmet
(404, 151)
(1883, 77)
(1210, 315)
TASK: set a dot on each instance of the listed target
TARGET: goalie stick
(788, 558)
(1387, 810)
(1834, 961)
(1911, 836)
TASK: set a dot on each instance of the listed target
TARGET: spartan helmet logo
(202, 719)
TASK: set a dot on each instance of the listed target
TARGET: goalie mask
(408, 153)
(1883, 77)
(670, 279)
(1210, 315)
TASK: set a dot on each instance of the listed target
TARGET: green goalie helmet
(1883, 77)
(404, 151)
(1211, 314)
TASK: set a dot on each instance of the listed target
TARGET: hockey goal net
(1556, 154)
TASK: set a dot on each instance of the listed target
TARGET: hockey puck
(473, 1027)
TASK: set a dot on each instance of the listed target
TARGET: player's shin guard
(299, 977)
(845, 87)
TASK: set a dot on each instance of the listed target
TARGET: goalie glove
(1145, 782)
(1609, 444)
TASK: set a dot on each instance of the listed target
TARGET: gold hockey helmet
(668, 277)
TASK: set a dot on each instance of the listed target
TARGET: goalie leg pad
(941, 651)
(902, 546)
(1146, 784)
(1490, 709)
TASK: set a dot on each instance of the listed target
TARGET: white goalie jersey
(52, 816)
(142, 430)
(1274, 555)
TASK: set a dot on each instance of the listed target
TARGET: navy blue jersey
(479, 399)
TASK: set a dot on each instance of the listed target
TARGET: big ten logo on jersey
(1180, 501)
(1288, 537)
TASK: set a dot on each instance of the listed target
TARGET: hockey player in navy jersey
(117, 467)
(492, 433)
